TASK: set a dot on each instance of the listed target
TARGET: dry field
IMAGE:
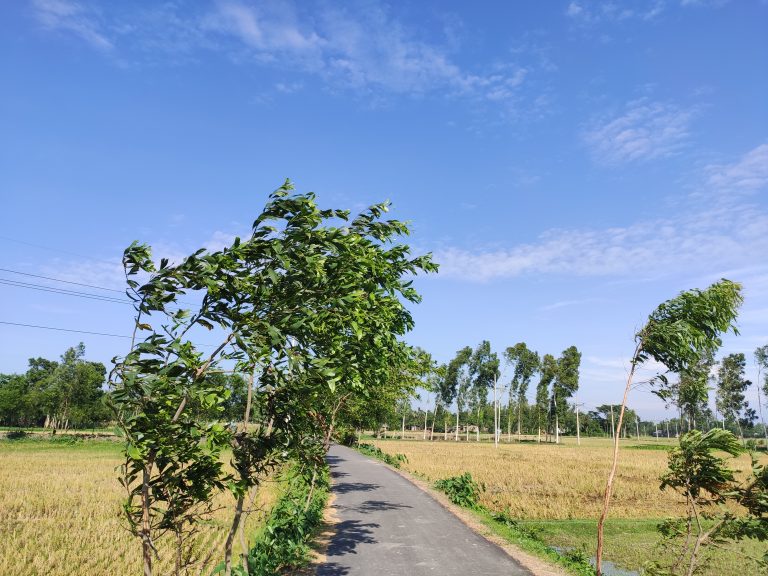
(60, 512)
(548, 481)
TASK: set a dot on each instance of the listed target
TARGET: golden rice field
(549, 481)
(60, 512)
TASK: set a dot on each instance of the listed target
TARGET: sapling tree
(310, 303)
(677, 334)
(718, 507)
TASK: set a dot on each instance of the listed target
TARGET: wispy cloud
(62, 15)
(748, 174)
(589, 13)
(346, 46)
(645, 130)
(715, 233)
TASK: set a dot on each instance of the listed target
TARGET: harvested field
(60, 512)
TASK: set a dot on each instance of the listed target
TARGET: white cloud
(598, 12)
(749, 174)
(720, 233)
(71, 17)
(644, 131)
(346, 46)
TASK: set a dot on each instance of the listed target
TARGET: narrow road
(387, 526)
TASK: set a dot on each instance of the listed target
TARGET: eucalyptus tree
(484, 372)
(459, 382)
(690, 392)
(547, 374)
(677, 334)
(310, 307)
(731, 388)
(761, 359)
(434, 384)
(526, 363)
(565, 384)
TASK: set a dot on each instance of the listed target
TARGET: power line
(80, 331)
(41, 247)
(60, 280)
(63, 329)
(62, 291)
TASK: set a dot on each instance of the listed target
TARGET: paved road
(387, 526)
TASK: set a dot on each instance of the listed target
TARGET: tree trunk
(612, 473)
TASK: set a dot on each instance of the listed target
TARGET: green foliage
(394, 460)
(461, 490)
(17, 435)
(283, 542)
(684, 329)
(708, 485)
(311, 305)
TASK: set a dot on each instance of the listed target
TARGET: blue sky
(570, 164)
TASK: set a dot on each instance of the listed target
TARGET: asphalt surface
(387, 526)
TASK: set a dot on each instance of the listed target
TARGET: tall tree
(547, 374)
(761, 359)
(525, 363)
(459, 381)
(678, 333)
(731, 386)
(565, 385)
(484, 370)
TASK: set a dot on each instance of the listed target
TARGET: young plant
(678, 333)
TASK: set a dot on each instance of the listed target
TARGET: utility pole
(495, 414)
(578, 428)
(657, 429)
(637, 426)
(613, 427)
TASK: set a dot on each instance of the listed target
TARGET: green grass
(630, 543)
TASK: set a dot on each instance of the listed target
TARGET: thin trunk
(613, 427)
(146, 542)
(495, 420)
(612, 474)
(241, 498)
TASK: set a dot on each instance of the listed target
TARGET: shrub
(461, 490)
(391, 459)
(17, 435)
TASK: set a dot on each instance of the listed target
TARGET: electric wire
(62, 291)
(61, 280)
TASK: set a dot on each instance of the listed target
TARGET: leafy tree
(565, 384)
(525, 363)
(731, 386)
(484, 371)
(458, 382)
(548, 373)
(13, 390)
(678, 333)
(761, 359)
(310, 306)
(708, 484)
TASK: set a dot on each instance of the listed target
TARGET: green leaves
(682, 330)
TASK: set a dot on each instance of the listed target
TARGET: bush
(283, 542)
(17, 435)
(371, 450)
(461, 490)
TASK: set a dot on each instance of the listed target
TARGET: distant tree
(547, 374)
(678, 333)
(731, 386)
(458, 381)
(483, 368)
(761, 359)
(565, 385)
(690, 393)
(525, 363)
(13, 390)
